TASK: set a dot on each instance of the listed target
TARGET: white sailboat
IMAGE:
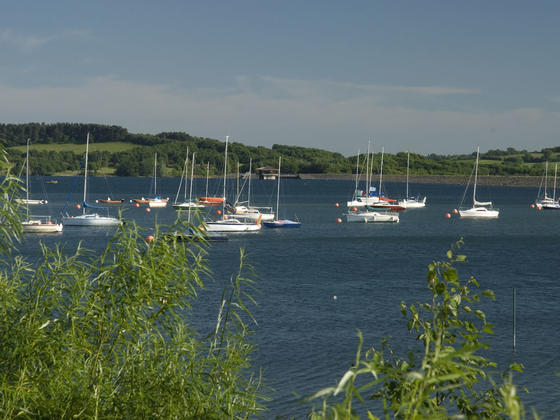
(549, 203)
(186, 204)
(35, 223)
(362, 198)
(480, 209)
(384, 203)
(411, 202)
(243, 209)
(277, 222)
(89, 219)
(227, 224)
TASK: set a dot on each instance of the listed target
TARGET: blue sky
(425, 76)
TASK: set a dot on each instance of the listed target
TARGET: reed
(111, 335)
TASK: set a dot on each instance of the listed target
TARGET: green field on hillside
(112, 147)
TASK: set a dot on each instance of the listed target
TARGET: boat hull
(372, 217)
(284, 224)
(230, 226)
(479, 213)
(93, 219)
(188, 206)
(36, 226)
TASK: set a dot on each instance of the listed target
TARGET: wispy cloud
(28, 43)
(302, 113)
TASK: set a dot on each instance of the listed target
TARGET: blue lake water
(307, 339)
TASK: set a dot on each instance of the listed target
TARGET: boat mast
(155, 175)
(27, 181)
(357, 173)
(190, 190)
(367, 173)
(381, 172)
(85, 175)
(186, 175)
(407, 166)
(554, 190)
(207, 175)
(475, 175)
(249, 186)
(225, 172)
(278, 189)
(545, 178)
(183, 175)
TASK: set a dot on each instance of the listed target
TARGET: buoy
(78, 206)
(338, 220)
(225, 217)
(336, 204)
(447, 216)
(148, 209)
(137, 205)
(149, 238)
(539, 208)
(219, 212)
(532, 206)
(334, 297)
(354, 209)
(455, 211)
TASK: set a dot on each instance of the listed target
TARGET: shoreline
(491, 180)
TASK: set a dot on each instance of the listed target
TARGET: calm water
(306, 338)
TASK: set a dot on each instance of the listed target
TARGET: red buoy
(336, 204)
(78, 206)
(532, 206)
(338, 220)
(149, 238)
(455, 211)
(219, 212)
(447, 216)
(148, 209)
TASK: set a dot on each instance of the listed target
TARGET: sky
(441, 76)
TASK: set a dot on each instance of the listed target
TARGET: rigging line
(63, 211)
(466, 188)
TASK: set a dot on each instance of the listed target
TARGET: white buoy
(334, 297)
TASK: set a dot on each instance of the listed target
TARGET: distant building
(267, 172)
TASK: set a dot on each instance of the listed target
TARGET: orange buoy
(148, 209)
(532, 206)
(149, 238)
(219, 212)
(455, 211)
(137, 205)
(539, 208)
(338, 220)
(447, 216)
(354, 209)
(336, 204)
(225, 217)
(78, 206)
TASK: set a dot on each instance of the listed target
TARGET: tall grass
(110, 336)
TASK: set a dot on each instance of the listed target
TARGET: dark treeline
(171, 149)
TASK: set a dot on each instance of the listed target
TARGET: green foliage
(449, 378)
(127, 153)
(112, 336)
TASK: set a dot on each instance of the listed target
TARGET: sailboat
(186, 204)
(384, 203)
(226, 224)
(156, 200)
(206, 199)
(547, 202)
(280, 223)
(362, 198)
(243, 209)
(479, 210)
(36, 224)
(411, 202)
(89, 219)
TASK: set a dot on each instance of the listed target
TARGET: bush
(110, 335)
(450, 378)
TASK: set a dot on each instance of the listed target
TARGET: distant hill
(58, 148)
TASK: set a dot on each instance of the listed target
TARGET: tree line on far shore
(171, 147)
